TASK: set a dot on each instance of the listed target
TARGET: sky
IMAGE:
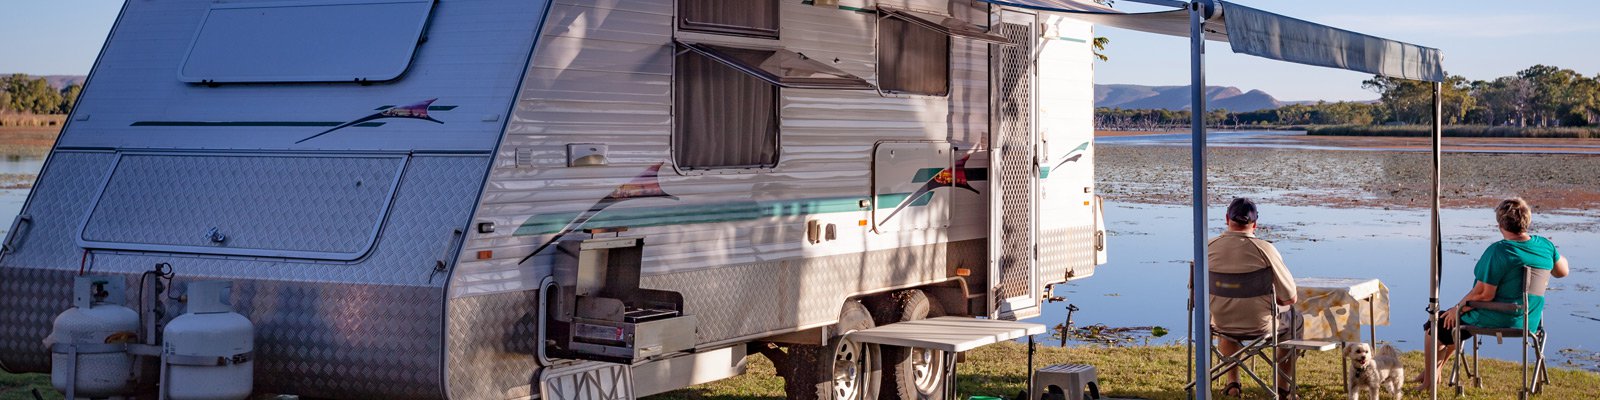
(1480, 40)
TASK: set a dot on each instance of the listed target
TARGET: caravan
(515, 199)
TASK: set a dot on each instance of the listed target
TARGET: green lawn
(1154, 372)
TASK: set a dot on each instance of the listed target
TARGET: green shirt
(1501, 266)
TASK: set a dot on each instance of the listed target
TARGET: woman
(1498, 278)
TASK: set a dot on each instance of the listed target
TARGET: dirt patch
(1333, 178)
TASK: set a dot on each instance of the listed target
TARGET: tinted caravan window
(306, 41)
(723, 118)
(912, 59)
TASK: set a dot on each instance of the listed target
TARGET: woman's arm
(1481, 291)
(1560, 271)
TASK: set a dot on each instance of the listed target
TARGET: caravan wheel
(913, 374)
(842, 369)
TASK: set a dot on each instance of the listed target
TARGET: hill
(1177, 98)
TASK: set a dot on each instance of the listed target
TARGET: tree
(69, 98)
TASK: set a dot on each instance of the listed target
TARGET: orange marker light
(862, 223)
(963, 272)
(485, 254)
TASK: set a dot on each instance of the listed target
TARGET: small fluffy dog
(1371, 373)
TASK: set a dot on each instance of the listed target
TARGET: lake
(1145, 281)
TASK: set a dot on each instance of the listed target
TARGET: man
(1250, 286)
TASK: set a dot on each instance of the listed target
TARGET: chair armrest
(1495, 306)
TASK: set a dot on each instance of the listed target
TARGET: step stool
(1078, 381)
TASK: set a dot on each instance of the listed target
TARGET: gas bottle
(209, 349)
(96, 328)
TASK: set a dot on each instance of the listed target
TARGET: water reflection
(1146, 281)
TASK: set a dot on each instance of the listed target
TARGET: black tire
(911, 374)
(811, 369)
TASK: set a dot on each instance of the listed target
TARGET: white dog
(1373, 374)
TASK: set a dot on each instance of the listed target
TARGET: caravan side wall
(329, 204)
(734, 243)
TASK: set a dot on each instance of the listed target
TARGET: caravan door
(1068, 233)
(1014, 169)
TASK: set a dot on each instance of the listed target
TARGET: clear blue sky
(1481, 40)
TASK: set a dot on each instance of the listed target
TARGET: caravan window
(912, 59)
(306, 41)
(739, 17)
(722, 117)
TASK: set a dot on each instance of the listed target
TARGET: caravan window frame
(683, 23)
(677, 109)
(880, 49)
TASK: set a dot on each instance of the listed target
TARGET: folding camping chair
(1256, 345)
(1534, 283)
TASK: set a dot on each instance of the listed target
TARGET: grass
(1155, 372)
(1455, 131)
(27, 141)
(1152, 372)
(21, 386)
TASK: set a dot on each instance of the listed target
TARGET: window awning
(780, 67)
(1264, 34)
(947, 25)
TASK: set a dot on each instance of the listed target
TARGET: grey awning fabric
(1264, 34)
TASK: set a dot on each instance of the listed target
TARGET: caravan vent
(524, 157)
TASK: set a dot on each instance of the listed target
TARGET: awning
(951, 334)
(947, 25)
(780, 67)
(1264, 34)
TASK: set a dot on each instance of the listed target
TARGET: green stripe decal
(1069, 39)
(690, 214)
(252, 123)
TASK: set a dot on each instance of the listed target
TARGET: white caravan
(515, 199)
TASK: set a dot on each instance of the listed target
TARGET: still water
(1145, 280)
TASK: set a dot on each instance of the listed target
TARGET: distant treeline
(20, 93)
(1456, 131)
(1540, 96)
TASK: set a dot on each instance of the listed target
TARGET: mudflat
(1361, 172)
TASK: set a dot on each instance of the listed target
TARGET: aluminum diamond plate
(1066, 249)
(371, 328)
(759, 298)
(491, 341)
(260, 203)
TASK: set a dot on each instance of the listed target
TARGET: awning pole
(1201, 328)
(1435, 270)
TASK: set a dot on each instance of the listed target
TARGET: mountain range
(1177, 98)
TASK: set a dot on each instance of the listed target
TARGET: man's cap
(1242, 211)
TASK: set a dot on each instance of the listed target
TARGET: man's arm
(1560, 271)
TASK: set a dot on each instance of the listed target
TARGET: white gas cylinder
(209, 350)
(96, 327)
